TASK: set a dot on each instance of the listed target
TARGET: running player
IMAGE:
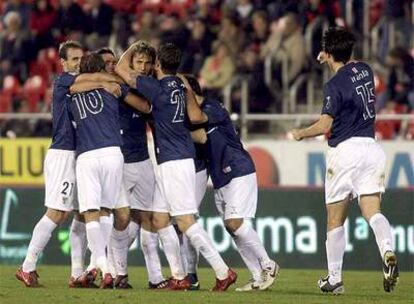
(355, 161)
(175, 153)
(59, 167)
(234, 180)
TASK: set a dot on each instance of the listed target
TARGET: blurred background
(259, 59)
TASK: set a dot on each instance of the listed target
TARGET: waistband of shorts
(101, 152)
(60, 151)
(358, 140)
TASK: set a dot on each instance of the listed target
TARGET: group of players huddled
(99, 159)
(99, 164)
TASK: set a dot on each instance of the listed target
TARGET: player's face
(142, 64)
(110, 62)
(71, 64)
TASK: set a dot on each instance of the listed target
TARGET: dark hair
(144, 47)
(194, 84)
(339, 43)
(91, 63)
(169, 57)
(65, 46)
(105, 50)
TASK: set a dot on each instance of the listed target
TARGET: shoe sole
(391, 279)
(273, 277)
(23, 281)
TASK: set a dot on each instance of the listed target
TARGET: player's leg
(119, 245)
(370, 209)
(78, 246)
(178, 178)
(236, 202)
(59, 173)
(335, 246)
(149, 241)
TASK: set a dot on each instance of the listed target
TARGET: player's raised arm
(123, 68)
(138, 103)
(84, 86)
(199, 136)
(195, 114)
(98, 77)
(322, 126)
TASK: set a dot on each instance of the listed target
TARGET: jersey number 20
(366, 92)
(178, 98)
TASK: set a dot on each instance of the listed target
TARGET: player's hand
(296, 134)
(184, 80)
(113, 88)
(322, 57)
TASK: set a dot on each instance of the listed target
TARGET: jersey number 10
(366, 92)
(91, 102)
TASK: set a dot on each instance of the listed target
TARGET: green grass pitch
(293, 286)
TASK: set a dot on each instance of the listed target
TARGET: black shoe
(327, 287)
(195, 284)
(390, 271)
(161, 285)
(121, 282)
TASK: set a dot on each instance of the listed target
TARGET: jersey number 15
(366, 92)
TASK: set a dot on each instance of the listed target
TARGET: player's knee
(57, 216)
(121, 220)
(232, 225)
(184, 222)
(160, 221)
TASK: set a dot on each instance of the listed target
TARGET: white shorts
(138, 186)
(177, 186)
(60, 180)
(237, 199)
(355, 167)
(99, 175)
(201, 186)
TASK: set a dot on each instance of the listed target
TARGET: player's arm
(138, 103)
(97, 77)
(84, 86)
(199, 136)
(322, 126)
(123, 68)
(195, 114)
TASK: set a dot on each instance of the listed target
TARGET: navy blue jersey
(200, 161)
(96, 114)
(134, 135)
(227, 159)
(167, 96)
(63, 136)
(350, 100)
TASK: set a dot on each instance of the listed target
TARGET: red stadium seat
(11, 85)
(42, 66)
(122, 5)
(387, 129)
(410, 128)
(5, 102)
(34, 91)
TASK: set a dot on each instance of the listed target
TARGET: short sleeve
(65, 80)
(148, 87)
(215, 112)
(332, 101)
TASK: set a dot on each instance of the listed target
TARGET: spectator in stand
(400, 83)
(70, 21)
(98, 21)
(209, 11)
(14, 43)
(145, 28)
(243, 10)
(231, 33)
(260, 33)
(260, 98)
(217, 70)
(13, 128)
(42, 18)
(198, 47)
(22, 8)
(174, 31)
(287, 41)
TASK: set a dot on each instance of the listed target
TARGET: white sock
(190, 255)
(92, 260)
(133, 231)
(202, 243)
(78, 245)
(40, 237)
(97, 244)
(382, 231)
(110, 257)
(171, 246)
(149, 247)
(335, 249)
(119, 245)
(106, 228)
(251, 250)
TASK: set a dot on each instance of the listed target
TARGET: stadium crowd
(221, 41)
